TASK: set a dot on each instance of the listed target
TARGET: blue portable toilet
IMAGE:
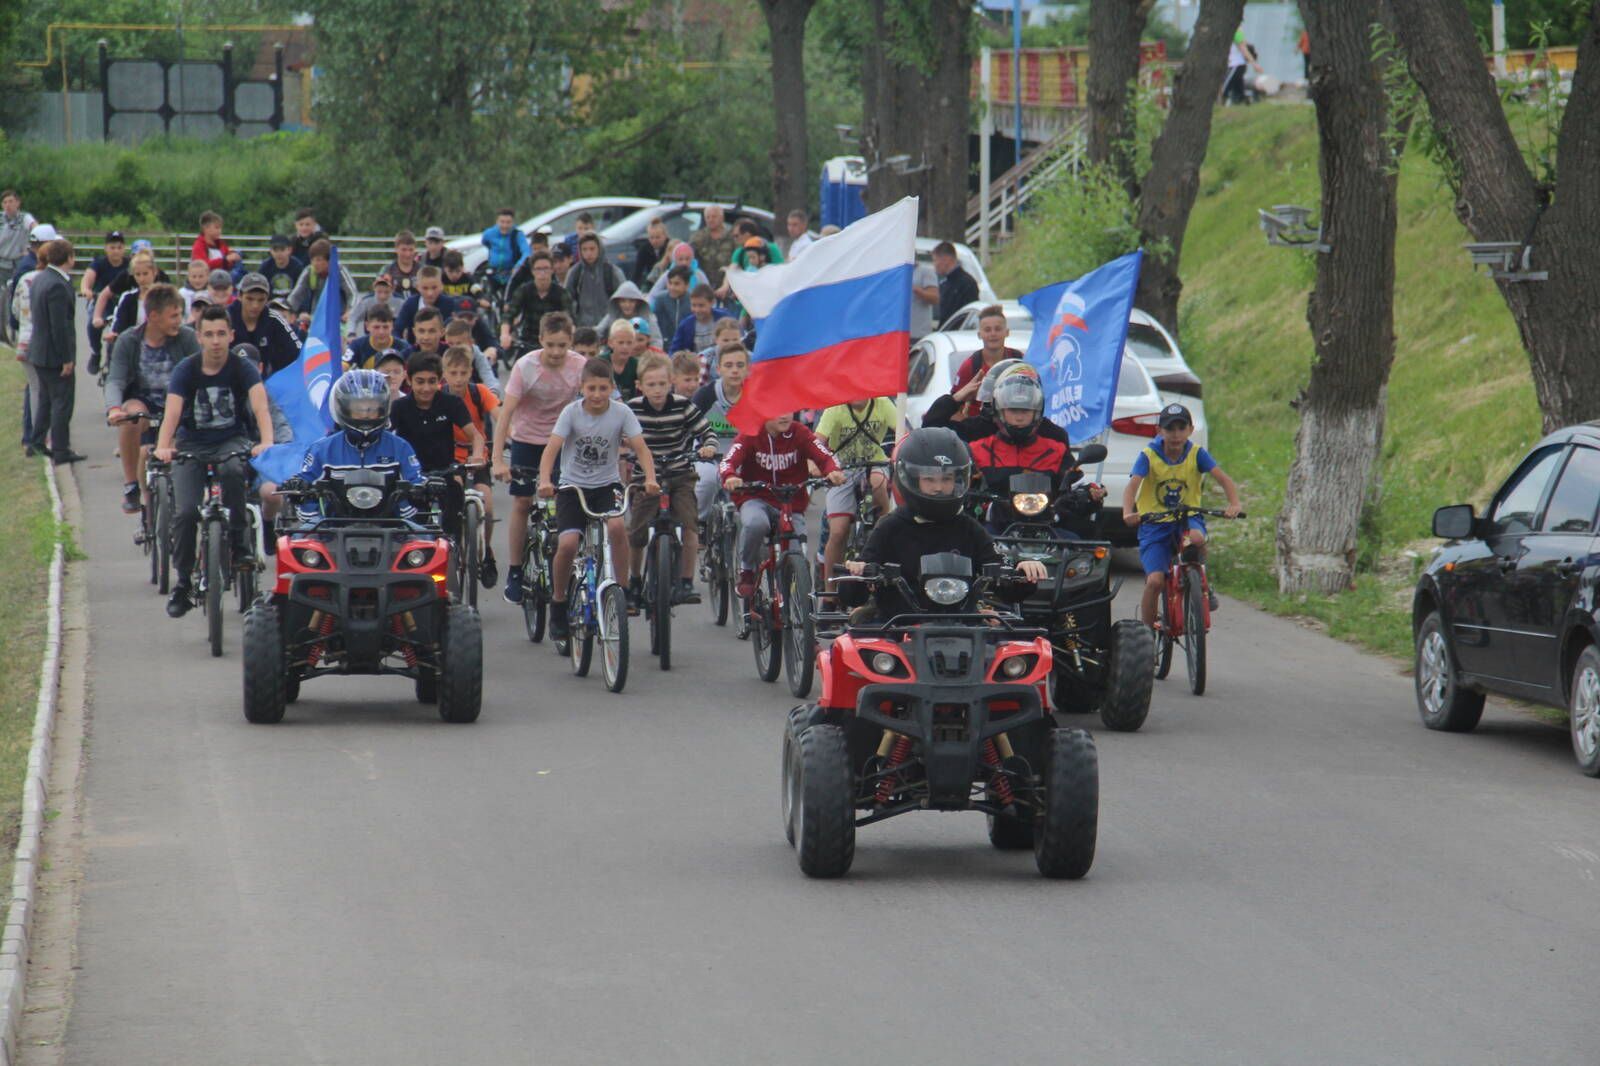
(844, 190)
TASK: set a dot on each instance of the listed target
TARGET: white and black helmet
(932, 452)
(1018, 392)
(360, 405)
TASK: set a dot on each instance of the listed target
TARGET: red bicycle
(778, 616)
(1186, 598)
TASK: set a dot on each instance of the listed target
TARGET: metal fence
(363, 257)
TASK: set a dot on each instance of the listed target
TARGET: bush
(1076, 223)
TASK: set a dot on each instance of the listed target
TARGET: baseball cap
(433, 233)
(251, 282)
(200, 299)
(220, 279)
(389, 355)
(1172, 413)
(115, 235)
(755, 242)
(44, 231)
(384, 280)
(641, 326)
(543, 231)
(281, 241)
(142, 245)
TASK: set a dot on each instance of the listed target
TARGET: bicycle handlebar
(190, 457)
(1179, 513)
(807, 485)
(583, 500)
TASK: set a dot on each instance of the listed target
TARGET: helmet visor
(1019, 392)
(936, 481)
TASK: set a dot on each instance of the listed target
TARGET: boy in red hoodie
(210, 246)
(776, 456)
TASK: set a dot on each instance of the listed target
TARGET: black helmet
(1018, 392)
(932, 452)
(360, 404)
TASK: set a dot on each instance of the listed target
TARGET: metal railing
(363, 257)
(1011, 191)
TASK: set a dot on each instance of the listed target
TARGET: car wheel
(1584, 706)
(1441, 701)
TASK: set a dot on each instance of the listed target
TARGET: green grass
(1461, 409)
(30, 531)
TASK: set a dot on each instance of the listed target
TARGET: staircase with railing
(1010, 192)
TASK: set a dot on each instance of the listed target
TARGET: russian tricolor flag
(834, 325)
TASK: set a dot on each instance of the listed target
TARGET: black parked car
(1509, 604)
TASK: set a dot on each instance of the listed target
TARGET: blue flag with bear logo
(1079, 330)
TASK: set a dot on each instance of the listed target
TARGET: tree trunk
(1168, 192)
(947, 126)
(1500, 199)
(1351, 311)
(923, 116)
(1115, 30)
(786, 29)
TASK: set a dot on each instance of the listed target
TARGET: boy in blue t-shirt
(1167, 475)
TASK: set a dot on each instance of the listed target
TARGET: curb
(25, 872)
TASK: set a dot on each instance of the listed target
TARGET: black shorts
(569, 513)
(528, 455)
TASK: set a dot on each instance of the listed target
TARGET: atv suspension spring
(406, 650)
(1002, 783)
(324, 630)
(897, 755)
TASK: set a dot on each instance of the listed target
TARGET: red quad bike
(360, 591)
(941, 710)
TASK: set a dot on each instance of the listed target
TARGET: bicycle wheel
(471, 550)
(162, 495)
(799, 632)
(666, 565)
(1194, 625)
(216, 549)
(535, 586)
(147, 538)
(614, 637)
(581, 643)
(765, 638)
(1164, 638)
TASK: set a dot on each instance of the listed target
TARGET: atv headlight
(1030, 503)
(414, 558)
(884, 663)
(1014, 667)
(364, 497)
(945, 590)
(310, 558)
(1084, 564)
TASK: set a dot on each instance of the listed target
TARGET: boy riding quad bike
(361, 584)
(931, 702)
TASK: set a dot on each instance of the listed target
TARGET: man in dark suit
(54, 350)
(956, 287)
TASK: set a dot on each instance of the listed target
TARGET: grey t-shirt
(923, 276)
(591, 444)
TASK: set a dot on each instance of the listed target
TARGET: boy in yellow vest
(1166, 475)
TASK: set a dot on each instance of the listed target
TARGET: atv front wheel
(824, 815)
(460, 676)
(1130, 675)
(1010, 834)
(427, 686)
(264, 667)
(1064, 839)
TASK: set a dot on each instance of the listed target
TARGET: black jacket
(54, 309)
(900, 538)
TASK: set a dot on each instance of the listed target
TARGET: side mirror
(1090, 454)
(1455, 522)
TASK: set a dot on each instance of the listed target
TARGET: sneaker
(747, 584)
(513, 589)
(635, 594)
(130, 498)
(686, 593)
(1211, 599)
(179, 603)
(559, 629)
(488, 572)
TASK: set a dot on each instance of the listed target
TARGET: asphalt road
(1290, 870)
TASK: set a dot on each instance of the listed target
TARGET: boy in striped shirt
(674, 430)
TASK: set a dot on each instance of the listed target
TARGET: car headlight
(945, 590)
(414, 558)
(1014, 667)
(1030, 503)
(364, 497)
(884, 663)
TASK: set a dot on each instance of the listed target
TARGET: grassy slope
(27, 527)
(1461, 408)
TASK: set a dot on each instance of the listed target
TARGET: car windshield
(1147, 342)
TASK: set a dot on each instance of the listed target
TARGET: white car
(937, 357)
(562, 220)
(1148, 342)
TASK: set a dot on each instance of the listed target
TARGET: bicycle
(716, 559)
(538, 552)
(155, 512)
(468, 556)
(597, 607)
(215, 569)
(1185, 599)
(780, 610)
(663, 561)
